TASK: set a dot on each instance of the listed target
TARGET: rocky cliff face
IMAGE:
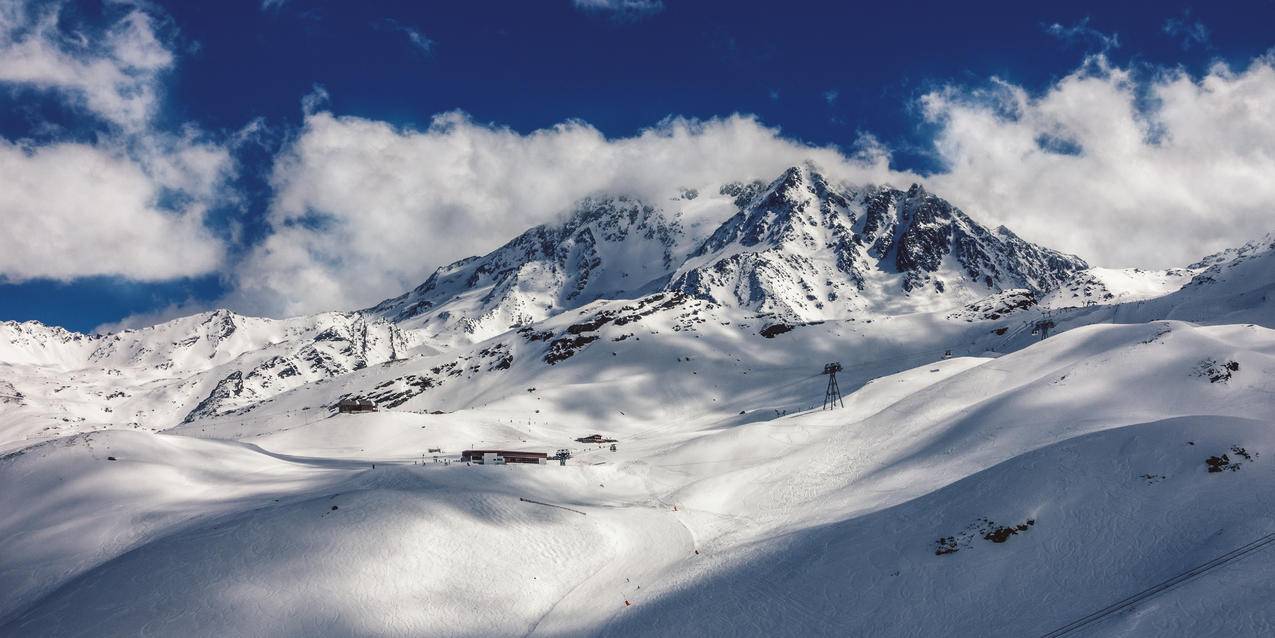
(606, 248)
(799, 246)
(805, 249)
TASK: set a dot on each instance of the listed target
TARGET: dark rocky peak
(781, 212)
(805, 248)
(914, 231)
(221, 324)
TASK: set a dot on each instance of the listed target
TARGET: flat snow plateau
(1083, 454)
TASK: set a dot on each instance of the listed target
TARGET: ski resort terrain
(1019, 444)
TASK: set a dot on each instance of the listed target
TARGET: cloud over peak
(1122, 168)
(364, 210)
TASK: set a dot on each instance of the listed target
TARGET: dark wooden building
(355, 406)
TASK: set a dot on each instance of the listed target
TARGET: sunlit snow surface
(732, 506)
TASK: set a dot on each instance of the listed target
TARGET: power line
(1126, 603)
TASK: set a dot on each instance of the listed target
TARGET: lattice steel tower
(832, 396)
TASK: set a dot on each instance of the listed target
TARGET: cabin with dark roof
(355, 406)
(501, 457)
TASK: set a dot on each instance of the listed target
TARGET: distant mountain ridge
(607, 247)
(202, 365)
(799, 247)
(804, 249)
(794, 252)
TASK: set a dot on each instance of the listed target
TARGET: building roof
(539, 455)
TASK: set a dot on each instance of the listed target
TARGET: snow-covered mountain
(1236, 285)
(1233, 286)
(1229, 285)
(799, 247)
(181, 370)
(804, 249)
(612, 247)
(194, 478)
(1094, 286)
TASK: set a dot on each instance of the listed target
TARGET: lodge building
(500, 457)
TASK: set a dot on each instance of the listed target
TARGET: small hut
(355, 406)
(595, 438)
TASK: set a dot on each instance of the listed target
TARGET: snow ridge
(607, 247)
(806, 250)
(798, 247)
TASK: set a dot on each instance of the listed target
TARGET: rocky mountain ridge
(799, 247)
(804, 249)
(202, 365)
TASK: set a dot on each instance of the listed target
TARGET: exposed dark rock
(562, 349)
(1217, 372)
(773, 330)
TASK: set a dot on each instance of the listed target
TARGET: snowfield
(1006, 459)
(817, 521)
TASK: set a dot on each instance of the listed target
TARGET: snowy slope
(1009, 457)
(1117, 285)
(61, 382)
(1233, 286)
(612, 362)
(820, 522)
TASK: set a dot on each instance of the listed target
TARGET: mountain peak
(808, 250)
(605, 246)
(798, 245)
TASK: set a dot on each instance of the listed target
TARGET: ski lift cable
(1105, 612)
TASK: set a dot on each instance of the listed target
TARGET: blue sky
(197, 130)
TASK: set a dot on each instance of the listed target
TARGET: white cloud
(316, 100)
(130, 204)
(418, 40)
(364, 211)
(621, 9)
(112, 75)
(185, 308)
(1137, 185)
(73, 210)
(1190, 33)
(1084, 35)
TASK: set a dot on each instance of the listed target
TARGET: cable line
(1180, 578)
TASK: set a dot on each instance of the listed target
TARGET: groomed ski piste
(879, 518)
